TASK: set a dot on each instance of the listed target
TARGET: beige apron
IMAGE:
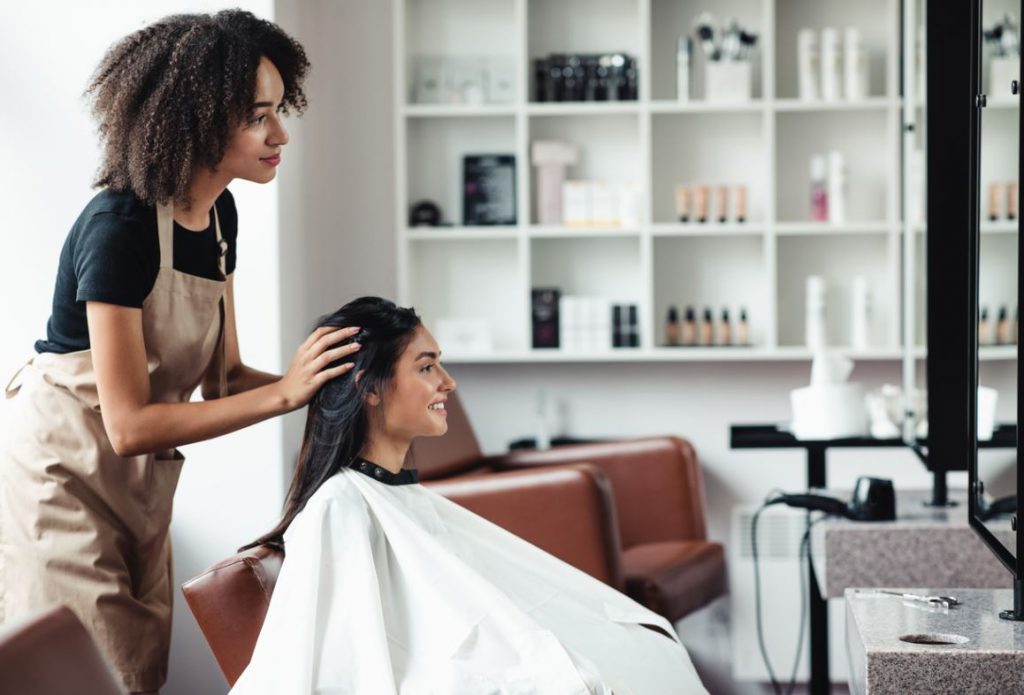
(80, 525)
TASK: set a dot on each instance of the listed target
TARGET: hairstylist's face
(255, 149)
(415, 404)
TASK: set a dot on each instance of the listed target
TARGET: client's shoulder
(336, 497)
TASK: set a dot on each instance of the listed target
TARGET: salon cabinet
(657, 142)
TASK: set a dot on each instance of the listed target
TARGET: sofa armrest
(567, 512)
(659, 490)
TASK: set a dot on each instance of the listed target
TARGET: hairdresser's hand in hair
(308, 371)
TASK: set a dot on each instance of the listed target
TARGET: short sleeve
(114, 260)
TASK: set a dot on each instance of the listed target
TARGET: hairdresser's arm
(240, 376)
(137, 426)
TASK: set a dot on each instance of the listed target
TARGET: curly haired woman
(143, 314)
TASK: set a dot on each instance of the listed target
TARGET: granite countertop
(975, 652)
(923, 546)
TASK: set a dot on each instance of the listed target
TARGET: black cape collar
(406, 476)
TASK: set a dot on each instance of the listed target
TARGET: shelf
(461, 233)
(541, 232)
(668, 229)
(582, 108)
(672, 106)
(457, 110)
(997, 227)
(869, 104)
(1002, 102)
(828, 228)
(992, 353)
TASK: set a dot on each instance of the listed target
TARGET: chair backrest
(457, 451)
(230, 601)
(51, 652)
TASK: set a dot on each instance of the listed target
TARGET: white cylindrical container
(683, 49)
(855, 66)
(836, 187)
(860, 314)
(807, 64)
(815, 317)
(830, 64)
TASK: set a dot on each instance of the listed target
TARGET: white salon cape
(392, 588)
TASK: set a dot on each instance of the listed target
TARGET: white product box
(576, 204)
(465, 336)
(501, 79)
(728, 81)
(603, 205)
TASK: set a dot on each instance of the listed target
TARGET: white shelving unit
(656, 143)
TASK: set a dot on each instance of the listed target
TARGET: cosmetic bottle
(1003, 327)
(700, 203)
(995, 191)
(725, 329)
(721, 203)
(689, 328)
(855, 68)
(819, 189)
(829, 64)
(1012, 202)
(836, 187)
(672, 327)
(683, 50)
(633, 338)
(815, 318)
(707, 329)
(739, 207)
(860, 327)
(984, 336)
(542, 431)
(743, 329)
(683, 203)
(807, 64)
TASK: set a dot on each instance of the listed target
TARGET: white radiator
(780, 529)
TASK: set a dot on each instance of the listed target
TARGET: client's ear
(371, 398)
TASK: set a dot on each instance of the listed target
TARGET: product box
(489, 190)
(730, 81)
(545, 316)
(576, 203)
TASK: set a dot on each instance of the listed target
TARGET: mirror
(997, 276)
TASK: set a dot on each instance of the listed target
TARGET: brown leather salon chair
(658, 490)
(52, 654)
(568, 512)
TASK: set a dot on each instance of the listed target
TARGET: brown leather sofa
(51, 653)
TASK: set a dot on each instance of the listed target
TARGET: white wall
(231, 489)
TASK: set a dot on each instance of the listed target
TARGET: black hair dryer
(873, 500)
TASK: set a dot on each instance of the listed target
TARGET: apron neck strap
(165, 231)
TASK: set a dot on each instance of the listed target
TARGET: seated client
(387, 587)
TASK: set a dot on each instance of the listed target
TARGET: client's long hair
(337, 422)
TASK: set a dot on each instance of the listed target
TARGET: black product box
(625, 326)
(545, 316)
(488, 190)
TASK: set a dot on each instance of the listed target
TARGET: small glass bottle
(707, 329)
(743, 329)
(672, 327)
(1003, 326)
(689, 329)
(984, 335)
(819, 189)
(725, 329)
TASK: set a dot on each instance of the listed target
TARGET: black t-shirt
(112, 255)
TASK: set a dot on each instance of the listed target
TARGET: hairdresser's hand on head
(308, 371)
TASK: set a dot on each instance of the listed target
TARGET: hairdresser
(143, 314)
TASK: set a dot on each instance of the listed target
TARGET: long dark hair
(337, 421)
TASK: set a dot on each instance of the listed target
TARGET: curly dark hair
(168, 97)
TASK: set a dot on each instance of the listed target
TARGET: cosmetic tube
(707, 329)
(684, 47)
(725, 329)
(995, 194)
(700, 203)
(815, 316)
(682, 203)
(819, 189)
(807, 64)
(836, 187)
(1012, 200)
(721, 203)
(829, 64)
(860, 326)
(688, 333)
(672, 327)
(739, 204)
(855, 79)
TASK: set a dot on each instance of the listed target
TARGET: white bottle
(683, 49)
(836, 187)
(807, 64)
(855, 73)
(830, 64)
(816, 314)
(860, 314)
(542, 432)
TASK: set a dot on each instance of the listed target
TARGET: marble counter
(964, 650)
(925, 546)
